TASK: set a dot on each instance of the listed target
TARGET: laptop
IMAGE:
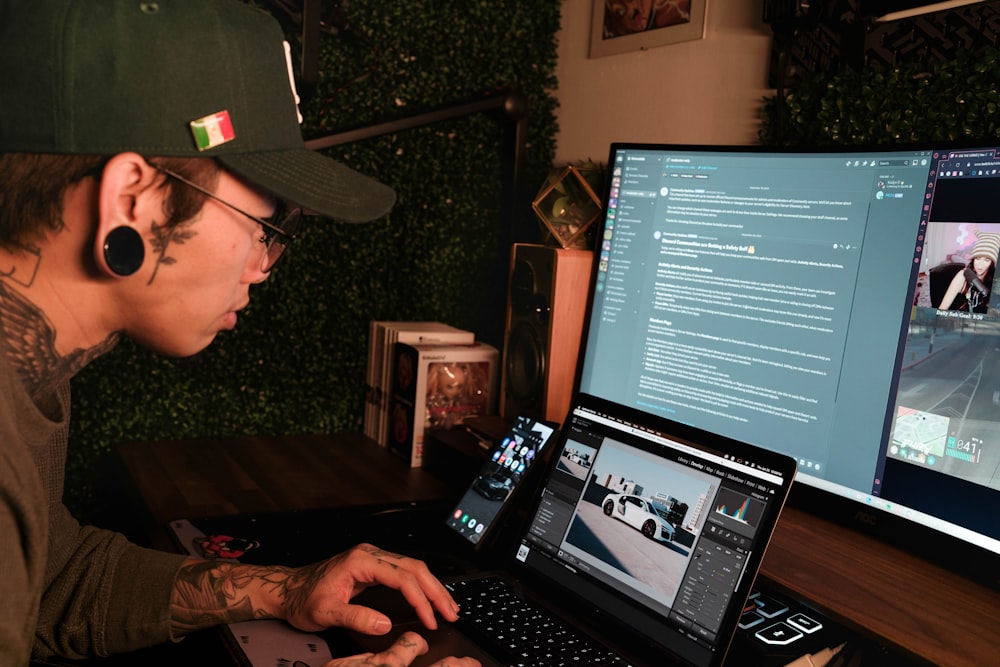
(644, 538)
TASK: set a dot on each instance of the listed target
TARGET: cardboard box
(438, 386)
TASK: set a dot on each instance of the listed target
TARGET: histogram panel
(738, 507)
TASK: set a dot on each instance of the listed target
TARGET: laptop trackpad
(446, 641)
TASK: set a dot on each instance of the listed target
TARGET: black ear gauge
(124, 251)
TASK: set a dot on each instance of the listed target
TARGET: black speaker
(546, 304)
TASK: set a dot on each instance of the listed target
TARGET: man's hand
(311, 598)
(314, 597)
(318, 596)
(400, 654)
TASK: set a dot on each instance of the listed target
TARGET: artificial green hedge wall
(296, 362)
(955, 99)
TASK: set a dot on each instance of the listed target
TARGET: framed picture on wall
(619, 26)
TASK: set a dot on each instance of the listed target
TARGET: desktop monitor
(834, 305)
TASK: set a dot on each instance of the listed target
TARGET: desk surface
(253, 475)
(932, 612)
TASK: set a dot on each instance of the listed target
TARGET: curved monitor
(837, 306)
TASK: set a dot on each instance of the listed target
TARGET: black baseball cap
(170, 78)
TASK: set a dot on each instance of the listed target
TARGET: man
(147, 150)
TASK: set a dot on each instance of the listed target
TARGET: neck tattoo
(30, 344)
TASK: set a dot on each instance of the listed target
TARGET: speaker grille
(526, 357)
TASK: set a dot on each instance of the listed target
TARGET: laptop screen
(661, 526)
(835, 306)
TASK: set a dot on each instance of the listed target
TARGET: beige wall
(707, 91)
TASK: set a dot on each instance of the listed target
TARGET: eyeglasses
(279, 231)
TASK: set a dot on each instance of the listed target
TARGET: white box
(383, 334)
(438, 386)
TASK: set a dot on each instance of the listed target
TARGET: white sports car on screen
(644, 515)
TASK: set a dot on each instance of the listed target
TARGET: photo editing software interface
(659, 521)
(838, 307)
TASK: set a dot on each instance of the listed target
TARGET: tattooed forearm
(208, 593)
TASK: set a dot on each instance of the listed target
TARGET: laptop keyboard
(522, 632)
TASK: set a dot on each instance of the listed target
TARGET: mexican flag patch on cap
(212, 130)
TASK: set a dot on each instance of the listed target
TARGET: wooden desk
(938, 615)
(251, 475)
(932, 612)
